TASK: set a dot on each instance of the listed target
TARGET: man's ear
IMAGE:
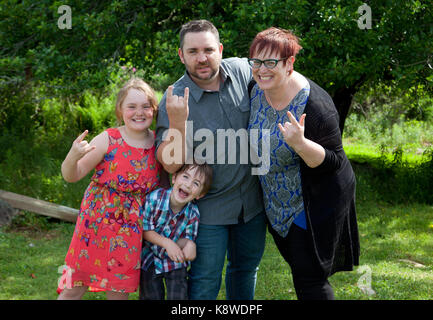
(180, 53)
(221, 48)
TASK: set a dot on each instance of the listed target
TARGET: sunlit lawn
(396, 244)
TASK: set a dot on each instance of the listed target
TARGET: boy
(170, 224)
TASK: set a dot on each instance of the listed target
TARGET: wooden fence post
(39, 206)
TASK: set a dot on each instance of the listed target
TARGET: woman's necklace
(273, 106)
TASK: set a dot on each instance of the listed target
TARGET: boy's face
(187, 186)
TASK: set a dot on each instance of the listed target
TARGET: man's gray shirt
(233, 186)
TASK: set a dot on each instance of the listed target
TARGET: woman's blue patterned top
(282, 191)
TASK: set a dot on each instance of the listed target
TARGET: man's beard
(196, 75)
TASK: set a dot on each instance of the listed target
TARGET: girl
(104, 254)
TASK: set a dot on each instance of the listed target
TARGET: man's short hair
(197, 26)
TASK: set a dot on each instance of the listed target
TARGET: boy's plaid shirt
(158, 216)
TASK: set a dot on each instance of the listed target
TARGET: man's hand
(177, 107)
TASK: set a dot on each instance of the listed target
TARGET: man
(212, 95)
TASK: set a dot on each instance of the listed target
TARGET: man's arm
(171, 152)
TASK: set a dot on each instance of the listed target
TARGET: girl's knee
(75, 293)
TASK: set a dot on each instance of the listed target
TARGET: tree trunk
(343, 99)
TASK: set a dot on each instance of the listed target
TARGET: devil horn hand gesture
(293, 131)
(177, 106)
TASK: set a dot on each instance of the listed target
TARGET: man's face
(201, 54)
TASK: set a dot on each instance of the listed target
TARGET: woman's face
(271, 78)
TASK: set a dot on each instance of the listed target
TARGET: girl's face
(137, 113)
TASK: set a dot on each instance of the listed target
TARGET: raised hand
(81, 147)
(293, 132)
(177, 107)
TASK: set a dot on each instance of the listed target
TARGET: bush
(397, 180)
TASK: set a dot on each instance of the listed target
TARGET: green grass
(367, 152)
(391, 236)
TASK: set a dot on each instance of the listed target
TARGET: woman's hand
(293, 132)
(311, 152)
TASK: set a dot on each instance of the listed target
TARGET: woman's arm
(311, 152)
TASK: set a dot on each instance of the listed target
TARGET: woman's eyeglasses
(269, 63)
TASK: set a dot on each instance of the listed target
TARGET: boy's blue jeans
(244, 244)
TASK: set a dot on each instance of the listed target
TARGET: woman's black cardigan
(329, 189)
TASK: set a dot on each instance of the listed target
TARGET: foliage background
(55, 83)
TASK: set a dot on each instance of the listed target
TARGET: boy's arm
(187, 243)
(148, 228)
(188, 249)
(174, 252)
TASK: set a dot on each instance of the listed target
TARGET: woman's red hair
(276, 40)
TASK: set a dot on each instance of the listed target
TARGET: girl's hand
(177, 107)
(293, 132)
(76, 164)
(81, 147)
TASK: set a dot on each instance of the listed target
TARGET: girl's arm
(83, 156)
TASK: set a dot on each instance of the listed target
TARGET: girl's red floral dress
(104, 253)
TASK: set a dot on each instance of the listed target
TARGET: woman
(309, 190)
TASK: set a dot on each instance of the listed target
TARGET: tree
(340, 56)
(337, 54)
